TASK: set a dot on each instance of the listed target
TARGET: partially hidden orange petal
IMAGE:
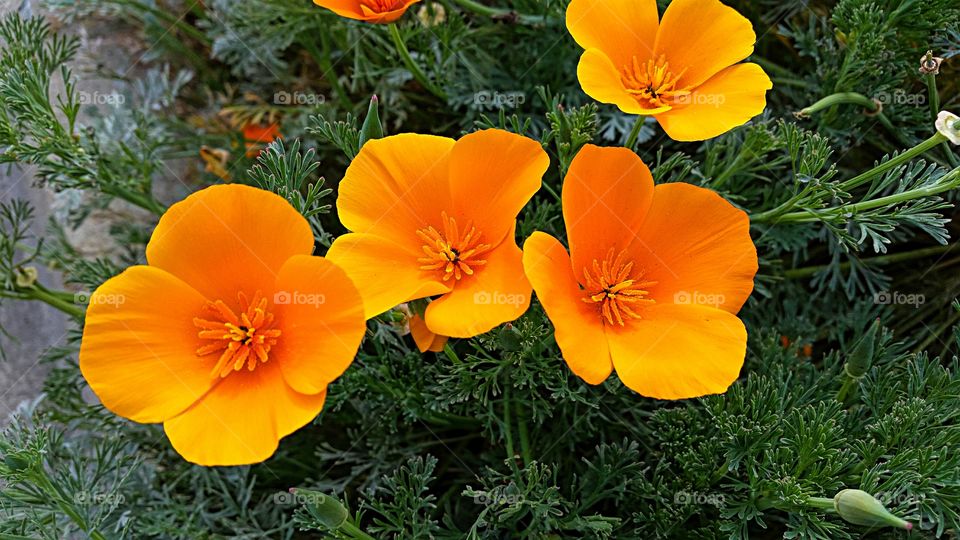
(577, 327)
(606, 194)
(242, 419)
(679, 352)
(320, 314)
(384, 272)
(498, 292)
(701, 37)
(138, 352)
(396, 186)
(697, 247)
(621, 29)
(425, 339)
(493, 174)
(727, 100)
(229, 238)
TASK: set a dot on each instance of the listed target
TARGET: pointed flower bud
(861, 357)
(510, 338)
(372, 128)
(861, 508)
(325, 509)
(948, 124)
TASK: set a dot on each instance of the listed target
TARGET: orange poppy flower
(230, 335)
(372, 11)
(257, 136)
(682, 70)
(653, 280)
(433, 216)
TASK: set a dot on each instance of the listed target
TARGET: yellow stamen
(454, 254)
(243, 339)
(382, 6)
(611, 284)
(652, 84)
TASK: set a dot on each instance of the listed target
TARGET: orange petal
(621, 29)
(577, 326)
(497, 293)
(423, 337)
(242, 419)
(606, 195)
(320, 314)
(386, 273)
(229, 238)
(679, 352)
(138, 352)
(396, 185)
(697, 247)
(701, 37)
(493, 174)
(601, 80)
(355, 9)
(727, 100)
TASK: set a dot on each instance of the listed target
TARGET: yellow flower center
(382, 6)
(616, 288)
(244, 339)
(652, 83)
(451, 252)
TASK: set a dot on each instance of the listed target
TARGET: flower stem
(935, 110)
(524, 435)
(412, 66)
(350, 529)
(506, 422)
(776, 213)
(852, 98)
(52, 298)
(635, 132)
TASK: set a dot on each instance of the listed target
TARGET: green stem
(856, 181)
(415, 70)
(524, 435)
(948, 182)
(635, 132)
(848, 383)
(54, 299)
(935, 110)
(488, 11)
(348, 527)
(839, 98)
(796, 273)
(506, 422)
(146, 202)
(823, 503)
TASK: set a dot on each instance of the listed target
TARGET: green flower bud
(861, 508)
(371, 129)
(861, 357)
(510, 338)
(325, 509)
(15, 463)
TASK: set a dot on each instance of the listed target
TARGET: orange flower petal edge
(433, 216)
(681, 69)
(371, 11)
(230, 335)
(655, 294)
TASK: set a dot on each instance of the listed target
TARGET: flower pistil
(239, 340)
(653, 82)
(611, 284)
(457, 255)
